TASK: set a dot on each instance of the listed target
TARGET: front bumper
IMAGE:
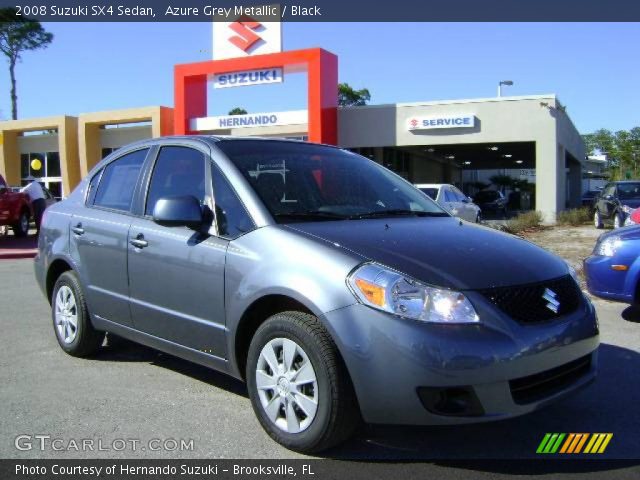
(605, 282)
(391, 359)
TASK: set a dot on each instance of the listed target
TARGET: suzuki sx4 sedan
(335, 289)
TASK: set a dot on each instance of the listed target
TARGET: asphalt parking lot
(131, 392)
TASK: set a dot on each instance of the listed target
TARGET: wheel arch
(57, 268)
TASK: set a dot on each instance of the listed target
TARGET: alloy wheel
(287, 385)
(66, 314)
(616, 221)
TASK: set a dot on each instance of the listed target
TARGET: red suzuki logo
(414, 123)
(246, 37)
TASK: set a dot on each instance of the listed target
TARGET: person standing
(38, 202)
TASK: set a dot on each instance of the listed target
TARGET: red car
(15, 209)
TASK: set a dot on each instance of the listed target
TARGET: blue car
(613, 269)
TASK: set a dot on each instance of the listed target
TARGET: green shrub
(574, 217)
(525, 221)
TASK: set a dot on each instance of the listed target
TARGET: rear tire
(308, 415)
(618, 220)
(71, 322)
(597, 220)
(21, 228)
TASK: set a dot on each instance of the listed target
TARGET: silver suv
(333, 287)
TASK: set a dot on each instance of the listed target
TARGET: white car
(453, 200)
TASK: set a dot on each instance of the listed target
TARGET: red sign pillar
(190, 84)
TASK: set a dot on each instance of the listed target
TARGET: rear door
(468, 211)
(176, 280)
(98, 236)
(452, 202)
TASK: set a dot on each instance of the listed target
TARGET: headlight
(608, 246)
(627, 209)
(392, 292)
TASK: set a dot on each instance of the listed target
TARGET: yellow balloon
(36, 164)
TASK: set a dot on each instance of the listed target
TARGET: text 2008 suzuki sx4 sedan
(334, 288)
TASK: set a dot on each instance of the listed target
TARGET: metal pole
(499, 89)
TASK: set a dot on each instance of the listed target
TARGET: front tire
(21, 228)
(71, 322)
(298, 385)
(597, 220)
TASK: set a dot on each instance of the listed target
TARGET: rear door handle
(139, 241)
(78, 230)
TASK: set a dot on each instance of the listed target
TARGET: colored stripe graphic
(573, 443)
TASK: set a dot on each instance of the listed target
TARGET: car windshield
(628, 190)
(306, 182)
(432, 192)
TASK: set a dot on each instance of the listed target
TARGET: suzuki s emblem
(246, 37)
(413, 122)
(551, 297)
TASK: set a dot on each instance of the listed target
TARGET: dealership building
(463, 142)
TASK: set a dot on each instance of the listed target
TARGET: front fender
(276, 261)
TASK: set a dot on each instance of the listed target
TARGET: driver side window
(178, 171)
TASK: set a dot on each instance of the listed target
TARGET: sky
(593, 68)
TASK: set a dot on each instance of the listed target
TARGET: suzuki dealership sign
(246, 37)
(250, 77)
(271, 119)
(444, 121)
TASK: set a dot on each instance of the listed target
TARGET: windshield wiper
(399, 213)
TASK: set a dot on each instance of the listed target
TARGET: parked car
(15, 209)
(332, 286)
(491, 201)
(589, 199)
(613, 269)
(48, 196)
(453, 200)
(615, 203)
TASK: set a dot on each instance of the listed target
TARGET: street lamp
(503, 82)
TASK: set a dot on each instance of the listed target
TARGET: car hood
(631, 232)
(441, 251)
(631, 202)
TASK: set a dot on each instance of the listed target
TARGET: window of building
(119, 180)
(178, 171)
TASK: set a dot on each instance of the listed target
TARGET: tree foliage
(348, 97)
(19, 34)
(622, 149)
(237, 111)
(502, 181)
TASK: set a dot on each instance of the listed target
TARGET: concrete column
(10, 157)
(549, 178)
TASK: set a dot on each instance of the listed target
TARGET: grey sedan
(338, 291)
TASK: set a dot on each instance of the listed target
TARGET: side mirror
(3, 190)
(179, 211)
(608, 197)
(466, 200)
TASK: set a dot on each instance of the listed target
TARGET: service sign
(269, 119)
(250, 77)
(444, 121)
(247, 36)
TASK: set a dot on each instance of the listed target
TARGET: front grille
(540, 385)
(527, 303)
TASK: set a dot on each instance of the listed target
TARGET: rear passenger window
(119, 181)
(449, 196)
(178, 171)
(233, 220)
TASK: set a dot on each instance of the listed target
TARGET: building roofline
(552, 96)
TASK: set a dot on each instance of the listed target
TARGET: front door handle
(78, 230)
(139, 241)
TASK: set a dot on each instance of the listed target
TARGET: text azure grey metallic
(333, 287)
